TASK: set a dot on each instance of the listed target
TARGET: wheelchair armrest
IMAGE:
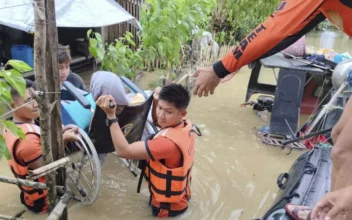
(77, 95)
(133, 86)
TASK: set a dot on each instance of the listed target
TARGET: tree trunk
(43, 102)
(47, 80)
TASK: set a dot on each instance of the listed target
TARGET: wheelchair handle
(111, 105)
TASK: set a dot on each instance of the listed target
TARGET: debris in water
(264, 115)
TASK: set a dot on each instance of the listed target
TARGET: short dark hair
(64, 54)
(176, 94)
(14, 92)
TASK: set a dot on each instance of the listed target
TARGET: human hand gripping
(71, 135)
(206, 82)
(334, 205)
(108, 105)
(156, 93)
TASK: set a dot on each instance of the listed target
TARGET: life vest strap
(30, 192)
(143, 165)
(165, 192)
(167, 176)
(165, 206)
(168, 184)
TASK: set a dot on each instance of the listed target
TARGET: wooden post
(47, 80)
(43, 102)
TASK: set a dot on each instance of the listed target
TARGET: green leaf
(93, 52)
(15, 79)
(7, 154)
(14, 129)
(19, 65)
(122, 50)
(100, 53)
(98, 37)
(2, 146)
(93, 42)
(5, 95)
(130, 41)
(89, 33)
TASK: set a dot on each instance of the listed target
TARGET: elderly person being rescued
(108, 83)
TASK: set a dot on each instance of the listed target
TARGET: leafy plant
(11, 78)
(116, 57)
(236, 18)
(168, 24)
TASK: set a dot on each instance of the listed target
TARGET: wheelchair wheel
(83, 175)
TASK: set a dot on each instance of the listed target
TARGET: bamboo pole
(34, 174)
(22, 182)
(60, 207)
(6, 217)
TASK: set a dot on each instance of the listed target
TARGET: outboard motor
(342, 73)
(264, 103)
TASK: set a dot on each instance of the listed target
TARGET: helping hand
(334, 205)
(104, 102)
(206, 82)
(71, 135)
(156, 93)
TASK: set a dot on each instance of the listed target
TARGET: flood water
(234, 175)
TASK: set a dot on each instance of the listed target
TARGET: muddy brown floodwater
(234, 175)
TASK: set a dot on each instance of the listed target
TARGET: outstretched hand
(334, 205)
(206, 82)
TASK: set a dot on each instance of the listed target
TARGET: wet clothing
(290, 21)
(168, 172)
(23, 153)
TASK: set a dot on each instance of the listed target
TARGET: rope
(15, 109)
(37, 93)
(14, 6)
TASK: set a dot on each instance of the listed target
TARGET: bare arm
(135, 150)
(155, 106)
(36, 164)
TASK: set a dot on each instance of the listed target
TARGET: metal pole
(326, 108)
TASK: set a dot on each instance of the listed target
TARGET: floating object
(305, 183)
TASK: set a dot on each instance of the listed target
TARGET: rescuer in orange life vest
(26, 154)
(169, 154)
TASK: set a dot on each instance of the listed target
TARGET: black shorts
(156, 212)
(38, 205)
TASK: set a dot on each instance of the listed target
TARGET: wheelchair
(83, 169)
(135, 122)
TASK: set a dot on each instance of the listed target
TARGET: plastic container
(24, 53)
(341, 57)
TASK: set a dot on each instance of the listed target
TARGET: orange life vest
(33, 199)
(169, 185)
